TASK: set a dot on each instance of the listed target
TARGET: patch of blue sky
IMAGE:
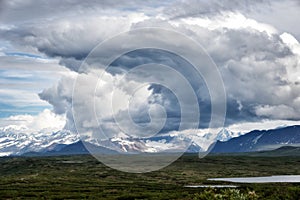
(7, 110)
(27, 55)
(20, 75)
(154, 4)
(20, 87)
(19, 92)
(39, 78)
(21, 54)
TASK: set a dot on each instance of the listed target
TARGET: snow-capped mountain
(261, 140)
(187, 140)
(225, 135)
(18, 142)
(14, 142)
(161, 143)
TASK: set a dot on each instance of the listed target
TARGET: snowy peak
(17, 143)
(12, 143)
(261, 140)
(225, 135)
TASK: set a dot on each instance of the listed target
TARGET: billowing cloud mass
(46, 122)
(258, 59)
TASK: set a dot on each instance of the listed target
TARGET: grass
(62, 178)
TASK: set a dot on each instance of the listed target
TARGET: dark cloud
(59, 95)
(259, 69)
(192, 8)
(182, 66)
(71, 63)
(251, 65)
(15, 11)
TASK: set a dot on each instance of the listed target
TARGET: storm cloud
(257, 61)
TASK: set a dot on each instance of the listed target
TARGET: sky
(47, 70)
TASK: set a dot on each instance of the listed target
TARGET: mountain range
(14, 142)
(260, 140)
(66, 143)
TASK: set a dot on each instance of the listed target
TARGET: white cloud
(230, 20)
(277, 112)
(253, 59)
(292, 42)
(46, 122)
(245, 127)
(259, 65)
(91, 103)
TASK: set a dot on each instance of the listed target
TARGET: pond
(210, 186)
(263, 179)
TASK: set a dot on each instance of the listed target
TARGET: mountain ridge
(260, 140)
(65, 142)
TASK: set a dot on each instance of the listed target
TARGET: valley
(83, 177)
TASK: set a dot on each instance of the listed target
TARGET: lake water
(263, 179)
(210, 186)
